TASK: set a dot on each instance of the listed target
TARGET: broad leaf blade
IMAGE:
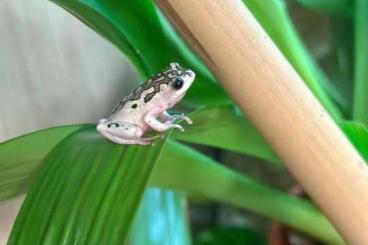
(183, 168)
(161, 219)
(225, 127)
(86, 193)
(19, 157)
(180, 168)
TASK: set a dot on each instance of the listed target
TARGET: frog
(146, 108)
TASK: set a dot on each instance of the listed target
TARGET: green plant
(83, 189)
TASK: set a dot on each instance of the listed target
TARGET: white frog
(146, 108)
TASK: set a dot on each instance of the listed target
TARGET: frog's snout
(189, 75)
(101, 121)
(101, 125)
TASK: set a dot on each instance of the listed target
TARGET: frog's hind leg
(151, 120)
(122, 132)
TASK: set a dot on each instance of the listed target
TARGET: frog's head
(180, 79)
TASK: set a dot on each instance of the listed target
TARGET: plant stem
(274, 18)
(360, 107)
(269, 91)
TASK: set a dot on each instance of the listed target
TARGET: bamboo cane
(268, 90)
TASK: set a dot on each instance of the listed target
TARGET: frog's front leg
(151, 119)
(167, 118)
(123, 133)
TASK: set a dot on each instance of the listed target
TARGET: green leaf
(274, 18)
(182, 168)
(230, 235)
(85, 174)
(21, 156)
(225, 127)
(360, 106)
(141, 32)
(358, 135)
(87, 192)
(161, 219)
(338, 63)
(333, 7)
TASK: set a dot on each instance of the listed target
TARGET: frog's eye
(172, 66)
(178, 83)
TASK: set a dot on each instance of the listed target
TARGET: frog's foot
(167, 118)
(151, 120)
(174, 118)
(161, 127)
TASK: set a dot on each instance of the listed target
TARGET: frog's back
(135, 104)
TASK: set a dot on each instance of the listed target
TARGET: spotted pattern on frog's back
(165, 77)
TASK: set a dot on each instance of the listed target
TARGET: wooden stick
(273, 96)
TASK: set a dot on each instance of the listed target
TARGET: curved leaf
(183, 168)
(225, 127)
(83, 175)
(360, 106)
(339, 62)
(87, 192)
(21, 156)
(160, 220)
(140, 31)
